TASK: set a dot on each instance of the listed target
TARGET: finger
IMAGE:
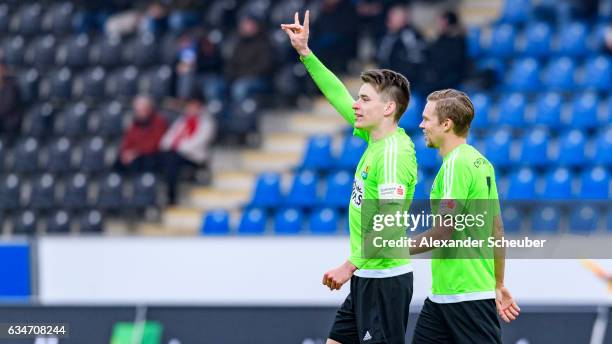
(325, 279)
(297, 19)
(504, 317)
(510, 315)
(516, 306)
(307, 20)
(513, 311)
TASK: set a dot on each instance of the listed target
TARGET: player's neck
(451, 143)
(383, 131)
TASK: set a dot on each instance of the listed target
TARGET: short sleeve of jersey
(396, 172)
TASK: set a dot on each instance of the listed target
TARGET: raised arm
(331, 87)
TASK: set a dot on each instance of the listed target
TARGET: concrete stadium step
(181, 220)
(480, 12)
(233, 180)
(258, 161)
(207, 198)
(312, 124)
(284, 142)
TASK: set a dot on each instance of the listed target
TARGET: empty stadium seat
(548, 110)
(324, 221)
(559, 74)
(512, 217)
(92, 159)
(516, 11)
(29, 19)
(13, 50)
(143, 50)
(58, 222)
(74, 53)
(413, 115)
(524, 75)
(558, 184)
(603, 147)
(108, 52)
(598, 73)
(545, 219)
(584, 219)
(144, 191)
(427, 158)
(94, 82)
(538, 40)
(288, 221)
(595, 184)
(521, 185)
(58, 18)
(26, 154)
(111, 119)
(75, 194)
(60, 85)
(482, 108)
(25, 222)
(473, 41)
(512, 110)
(353, 148)
(318, 155)
(29, 85)
(5, 17)
(158, 82)
(253, 221)
(216, 222)
(41, 52)
(303, 191)
(110, 192)
(497, 148)
(38, 120)
(59, 156)
(91, 221)
(10, 192)
(43, 192)
(572, 149)
(584, 111)
(72, 122)
(573, 40)
(534, 148)
(123, 83)
(3, 150)
(267, 192)
(338, 192)
(502, 39)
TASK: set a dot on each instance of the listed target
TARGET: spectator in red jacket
(140, 144)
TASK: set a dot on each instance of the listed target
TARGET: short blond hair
(456, 106)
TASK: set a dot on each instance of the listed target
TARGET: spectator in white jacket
(187, 143)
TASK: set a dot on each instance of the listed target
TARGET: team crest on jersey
(479, 162)
(364, 173)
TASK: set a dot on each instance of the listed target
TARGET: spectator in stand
(142, 15)
(187, 143)
(607, 43)
(250, 65)
(403, 47)
(139, 150)
(336, 38)
(447, 57)
(199, 61)
(10, 105)
(372, 14)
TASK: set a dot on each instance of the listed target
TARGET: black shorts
(461, 322)
(376, 311)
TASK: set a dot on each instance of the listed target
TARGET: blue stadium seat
(512, 111)
(59, 17)
(29, 85)
(58, 222)
(339, 187)
(522, 185)
(75, 53)
(158, 82)
(43, 192)
(584, 219)
(512, 217)
(324, 221)
(26, 154)
(25, 222)
(524, 75)
(598, 73)
(288, 221)
(59, 156)
(14, 49)
(72, 122)
(94, 83)
(60, 85)
(558, 184)
(534, 148)
(5, 17)
(352, 150)
(3, 150)
(92, 221)
(318, 155)
(38, 120)
(123, 83)
(492, 64)
(572, 149)
(516, 11)
(110, 192)
(10, 192)
(502, 39)
(145, 191)
(143, 50)
(482, 107)
(548, 111)
(545, 219)
(29, 19)
(253, 221)
(41, 52)
(267, 192)
(216, 222)
(414, 114)
(75, 194)
(111, 119)
(584, 111)
(427, 158)
(108, 52)
(603, 147)
(473, 41)
(573, 40)
(538, 39)
(497, 148)
(559, 74)
(595, 184)
(303, 192)
(93, 160)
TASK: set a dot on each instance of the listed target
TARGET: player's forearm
(331, 87)
(349, 266)
(500, 252)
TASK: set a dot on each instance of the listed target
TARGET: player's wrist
(304, 52)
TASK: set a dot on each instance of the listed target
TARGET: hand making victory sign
(298, 34)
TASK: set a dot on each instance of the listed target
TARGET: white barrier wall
(255, 271)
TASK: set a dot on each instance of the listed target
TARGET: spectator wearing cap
(10, 105)
(187, 144)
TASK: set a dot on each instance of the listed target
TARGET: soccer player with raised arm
(376, 310)
(465, 290)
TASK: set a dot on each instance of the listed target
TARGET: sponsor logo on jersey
(357, 193)
(391, 191)
(364, 173)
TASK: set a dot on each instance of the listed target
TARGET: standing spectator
(140, 144)
(336, 38)
(447, 56)
(251, 61)
(403, 48)
(10, 105)
(187, 143)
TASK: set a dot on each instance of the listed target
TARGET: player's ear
(390, 108)
(448, 125)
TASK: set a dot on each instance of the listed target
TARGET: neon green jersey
(466, 178)
(386, 171)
